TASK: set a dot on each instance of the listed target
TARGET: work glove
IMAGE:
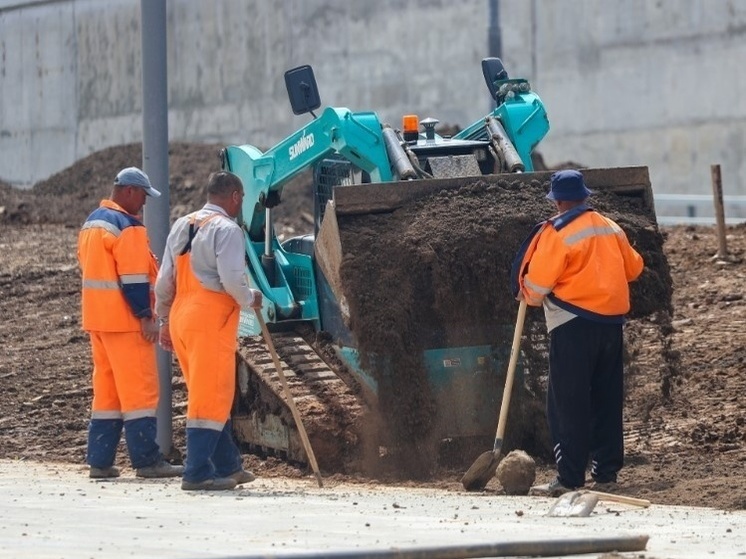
(256, 301)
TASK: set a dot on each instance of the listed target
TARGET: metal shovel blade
(574, 503)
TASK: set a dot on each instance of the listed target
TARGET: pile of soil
(438, 277)
(69, 196)
(685, 418)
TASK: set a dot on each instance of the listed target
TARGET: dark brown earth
(685, 412)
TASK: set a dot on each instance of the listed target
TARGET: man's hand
(165, 338)
(149, 329)
(256, 302)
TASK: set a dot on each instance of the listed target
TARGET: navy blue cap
(568, 186)
(132, 176)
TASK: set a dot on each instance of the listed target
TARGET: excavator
(364, 393)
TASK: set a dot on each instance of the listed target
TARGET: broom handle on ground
(514, 350)
(289, 396)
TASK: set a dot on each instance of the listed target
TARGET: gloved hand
(149, 329)
(256, 302)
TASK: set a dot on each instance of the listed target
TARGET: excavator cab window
(302, 90)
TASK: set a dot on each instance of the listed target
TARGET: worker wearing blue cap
(577, 266)
(118, 272)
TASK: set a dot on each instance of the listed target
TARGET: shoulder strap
(194, 227)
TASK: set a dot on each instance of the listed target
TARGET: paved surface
(55, 511)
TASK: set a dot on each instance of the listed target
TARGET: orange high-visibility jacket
(118, 269)
(583, 262)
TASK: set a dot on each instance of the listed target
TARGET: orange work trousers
(204, 325)
(125, 376)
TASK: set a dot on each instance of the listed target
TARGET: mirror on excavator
(302, 90)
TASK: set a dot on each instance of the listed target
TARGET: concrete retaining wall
(628, 83)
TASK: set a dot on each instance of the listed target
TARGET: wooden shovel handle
(621, 499)
(289, 397)
(514, 350)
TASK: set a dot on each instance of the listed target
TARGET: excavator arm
(356, 136)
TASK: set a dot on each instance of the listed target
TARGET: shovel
(582, 503)
(484, 467)
(291, 402)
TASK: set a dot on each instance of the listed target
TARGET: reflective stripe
(100, 284)
(590, 232)
(106, 415)
(134, 278)
(138, 414)
(538, 288)
(205, 424)
(102, 224)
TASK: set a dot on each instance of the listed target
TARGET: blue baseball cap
(132, 176)
(568, 186)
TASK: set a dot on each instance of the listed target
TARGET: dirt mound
(69, 196)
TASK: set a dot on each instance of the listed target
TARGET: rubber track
(330, 411)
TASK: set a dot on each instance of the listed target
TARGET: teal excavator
(362, 166)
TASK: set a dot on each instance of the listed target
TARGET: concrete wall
(625, 83)
(639, 82)
(71, 81)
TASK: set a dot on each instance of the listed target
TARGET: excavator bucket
(631, 184)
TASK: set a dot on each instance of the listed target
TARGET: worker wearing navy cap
(578, 266)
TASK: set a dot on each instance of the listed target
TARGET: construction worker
(578, 266)
(200, 291)
(118, 270)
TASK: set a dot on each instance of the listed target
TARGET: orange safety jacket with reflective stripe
(581, 261)
(118, 270)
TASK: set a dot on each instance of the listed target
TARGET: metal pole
(537, 548)
(155, 165)
(494, 41)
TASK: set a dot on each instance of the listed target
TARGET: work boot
(604, 486)
(554, 488)
(242, 476)
(103, 473)
(213, 484)
(160, 469)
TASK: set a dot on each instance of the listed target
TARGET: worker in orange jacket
(200, 291)
(578, 266)
(118, 269)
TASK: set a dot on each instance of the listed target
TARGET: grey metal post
(494, 38)
(494, 41)
(155, 165)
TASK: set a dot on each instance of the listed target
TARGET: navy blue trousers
(211, 454)
(104, 436)
(585, 398)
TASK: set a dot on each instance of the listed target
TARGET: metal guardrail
(697, 209)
